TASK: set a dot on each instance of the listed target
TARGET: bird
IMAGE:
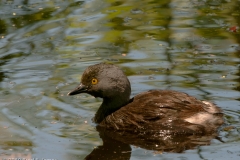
(155, 112)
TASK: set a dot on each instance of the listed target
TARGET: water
(189, 46)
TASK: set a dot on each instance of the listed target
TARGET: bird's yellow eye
(94, 81)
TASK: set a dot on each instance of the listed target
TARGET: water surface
(189, 46)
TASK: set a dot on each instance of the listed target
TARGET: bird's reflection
(116, 145)
(112, 149)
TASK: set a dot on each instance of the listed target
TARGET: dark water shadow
(116, 145)
(111, 149)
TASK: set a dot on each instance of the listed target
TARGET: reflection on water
(45, 46)
(116, 145)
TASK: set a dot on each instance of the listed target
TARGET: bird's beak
(80, 89)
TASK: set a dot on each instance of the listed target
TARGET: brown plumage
(165, 112)
(155, 112)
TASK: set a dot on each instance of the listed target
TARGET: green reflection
(3, 27)
(24, 20)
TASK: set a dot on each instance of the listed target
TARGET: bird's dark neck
(108, 106)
